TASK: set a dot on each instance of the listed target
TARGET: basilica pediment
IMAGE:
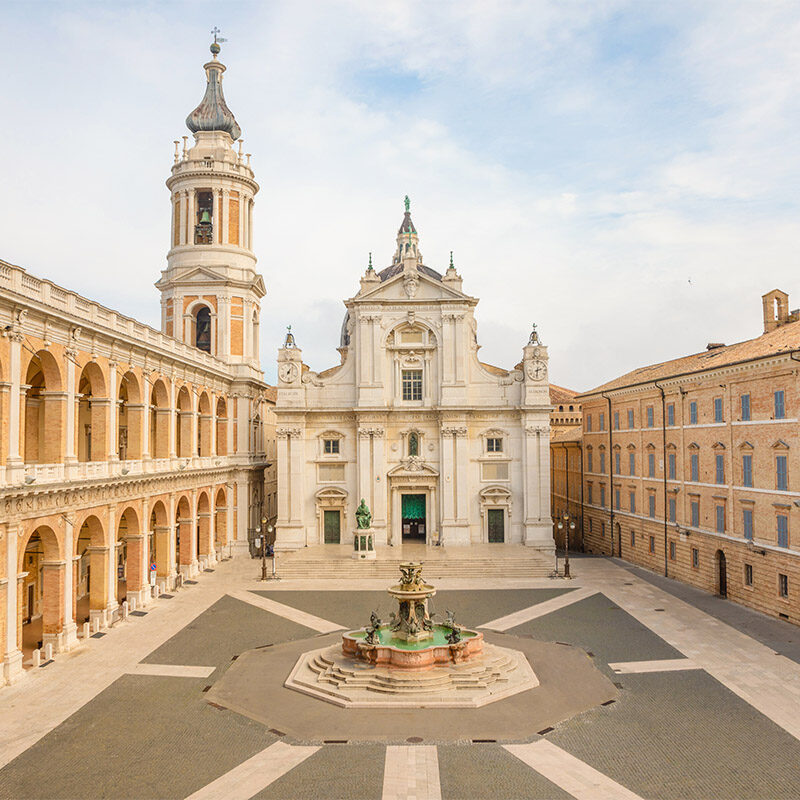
(418, 287)
(412, 466)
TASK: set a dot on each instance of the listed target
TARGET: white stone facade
(412, 411)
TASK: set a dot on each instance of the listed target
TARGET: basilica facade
(444, 448)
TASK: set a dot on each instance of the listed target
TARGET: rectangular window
(694, 461)
(602, 421)
(695, 557)
(747, 523)
(633, 538)
(780, 408)
(748, 574)
(747, 470)
(603, 496)
(617, 469)
(494, 445)
(649, 416)
(781, 473)
(632, 498)
(589, 459)
(670, 413)
(719, 468)
(672, 465)
(331, 472)
(616, 499)
(602, 461)
(630, 418)
(651, 505)
(651, 465)
(652, 544)
(717, 409)
(412, 384)
(783, 530)
(588, 423)
(744, 401)
(695, 508)
(783, 585)
(331, 446)
(693, 412)
(590, 524)
(632, 463)
(672, 551)
(494, 471)
(672, 509)
(720, 519)
(589, 492)
(616, 420)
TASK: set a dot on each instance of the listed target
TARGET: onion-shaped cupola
(213, 114)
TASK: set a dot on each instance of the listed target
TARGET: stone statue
(454, 637)
(374, 620)
(363, 516)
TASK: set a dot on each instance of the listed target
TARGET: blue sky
(622, 173)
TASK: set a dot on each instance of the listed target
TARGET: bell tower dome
(210, 289)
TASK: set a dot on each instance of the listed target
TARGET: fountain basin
(391, 651)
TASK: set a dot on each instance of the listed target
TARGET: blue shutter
(720, 468)
(717, 409)
(780, 410)
(672, 509)
(651, 505)
(747, 519)
(671, 414)
(783, 477)
(695, 467)
(783, 530)
(632, 463)
(693, 413)
(672, 460)
(720, 519)
(695, 514)
(745, 399)
(651, 464)
(633, 502)
(630, 418)
(747, 470)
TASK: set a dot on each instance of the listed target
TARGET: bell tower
(210, 290)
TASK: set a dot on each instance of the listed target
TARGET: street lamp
(263, 539)
(565, 524)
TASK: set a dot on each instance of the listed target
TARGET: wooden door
(332, 524)
(497, 523)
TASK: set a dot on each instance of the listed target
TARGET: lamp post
(566, 524)
(263, 538)
(271, 534)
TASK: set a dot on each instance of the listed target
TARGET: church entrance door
(413, 516)
(333, 524)
(496, 520)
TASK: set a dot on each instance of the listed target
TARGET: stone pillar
(212, 538)
(14, 461)
(455, 486)
(172, 419)
(53, 609)
(380, 488)
(70, 638)
(194, 426)
(112, 605)
(229, 522)
(536, 499)
(113, 413)
(12, 655)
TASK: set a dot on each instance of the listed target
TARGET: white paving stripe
(287, 612)
(660, 665)
(539, 610)
(573, 775)
(253, 775)
(411, 773)
(171, 670)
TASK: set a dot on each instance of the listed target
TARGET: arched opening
(183, 424)
(44, 411)
(722, 574)
(129, 419)
(204, 545)
(222, 427)
(184, 533)
(202, 329)
(41, 608)
(158, 543)
(130, 556)
(92, 411)
(413, 444)
(91, 571)
(220, 521)
(204, 424)
(159, 420)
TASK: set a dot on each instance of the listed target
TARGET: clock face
(287, 372)
(536, 370)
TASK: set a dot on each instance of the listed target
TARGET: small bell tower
(210, 290)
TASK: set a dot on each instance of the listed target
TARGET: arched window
(413, 444)
(202, 337)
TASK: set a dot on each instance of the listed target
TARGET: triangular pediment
(202, 275)
(425, 289)
(412, 466)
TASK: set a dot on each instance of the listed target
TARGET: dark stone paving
(472, 608)
(143, 737)
(684, 736)
(488, 772)
(336, 772)
(224, 630)
(784, 637)
(602, 628)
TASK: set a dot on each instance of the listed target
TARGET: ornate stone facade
(442, 447)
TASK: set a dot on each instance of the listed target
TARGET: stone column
(12, 655)
(113, 413)
(194, 426)
(138, 568)
(173, 419)
(536, 466)
(70, 638)
(14, 462)
(145, 417)
(53, 609)
(112, 605)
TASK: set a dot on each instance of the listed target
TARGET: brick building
(691, 467)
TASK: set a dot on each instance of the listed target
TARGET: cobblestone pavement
(87, 728)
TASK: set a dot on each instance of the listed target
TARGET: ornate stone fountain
(412, 661)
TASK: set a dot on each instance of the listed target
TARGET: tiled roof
(782, 340)
(396, 269)
(560, 395)
(572, 434)
(494, 370)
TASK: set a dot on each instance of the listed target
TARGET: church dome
(213, 114)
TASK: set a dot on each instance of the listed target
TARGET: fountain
(412, 661)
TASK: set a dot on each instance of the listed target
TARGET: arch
(222, 427)
(184, 536)
(90, 572)
(221, 518)
(159, 420)
(45, 411)
(394, 337)
(201, 328)
(204, 424)
(129, 418)
(92, 414)
(131, 555)
(183, 423)
(158, 545)
(41, 607)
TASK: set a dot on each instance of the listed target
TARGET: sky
(624, 174)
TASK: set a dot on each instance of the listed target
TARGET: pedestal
(364, 544)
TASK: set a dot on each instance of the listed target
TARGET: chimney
(776, 309)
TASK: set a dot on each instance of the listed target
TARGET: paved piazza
(706, 700)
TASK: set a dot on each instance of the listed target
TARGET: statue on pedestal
(363, 516)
